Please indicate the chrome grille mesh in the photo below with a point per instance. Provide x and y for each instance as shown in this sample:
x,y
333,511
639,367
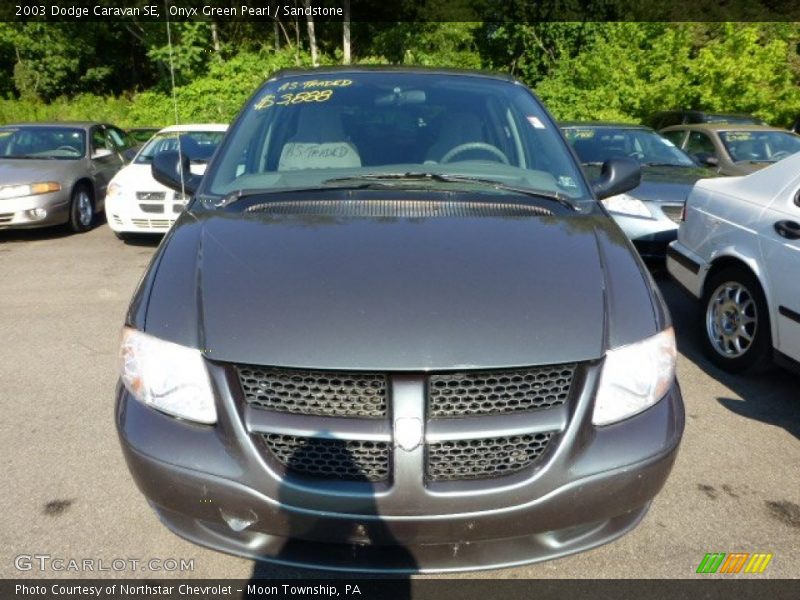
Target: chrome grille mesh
x,y
322,393
475,393
353,460
484,458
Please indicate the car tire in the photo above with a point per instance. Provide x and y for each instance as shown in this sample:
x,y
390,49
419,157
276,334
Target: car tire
x,y
735,322
81,209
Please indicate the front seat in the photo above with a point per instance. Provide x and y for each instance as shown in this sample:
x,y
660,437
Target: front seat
x,y
319,143
457,129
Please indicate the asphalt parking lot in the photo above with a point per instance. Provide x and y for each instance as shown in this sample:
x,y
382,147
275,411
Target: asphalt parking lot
x,y
67,492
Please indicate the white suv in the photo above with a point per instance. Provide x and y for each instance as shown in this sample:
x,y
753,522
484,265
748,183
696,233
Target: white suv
x,y
738,249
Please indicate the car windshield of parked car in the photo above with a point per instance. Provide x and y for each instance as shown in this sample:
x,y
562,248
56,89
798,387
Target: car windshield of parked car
x,y
760,146
197,145
63,143
307,131
595,145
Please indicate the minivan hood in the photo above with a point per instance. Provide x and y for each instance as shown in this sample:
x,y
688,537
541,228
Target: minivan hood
x,y
397,293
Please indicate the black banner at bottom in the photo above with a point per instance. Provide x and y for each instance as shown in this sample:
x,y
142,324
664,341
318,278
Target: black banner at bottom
x,y
366,588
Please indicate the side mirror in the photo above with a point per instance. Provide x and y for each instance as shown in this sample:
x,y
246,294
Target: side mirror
x,y
129,154
706,158
168,169
617,176
101,153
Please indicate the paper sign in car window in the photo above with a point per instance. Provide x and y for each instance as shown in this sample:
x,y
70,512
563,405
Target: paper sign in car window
x,y
738,136
535,122
583,134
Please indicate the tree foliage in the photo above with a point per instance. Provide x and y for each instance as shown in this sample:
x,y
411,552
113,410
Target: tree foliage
x,y
582,70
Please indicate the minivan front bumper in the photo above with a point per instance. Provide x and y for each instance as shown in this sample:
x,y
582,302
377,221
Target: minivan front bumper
x,y
208,485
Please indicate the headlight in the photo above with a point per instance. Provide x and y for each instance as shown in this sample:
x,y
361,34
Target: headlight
x,y
635,377
113,190
28,189
627,205
169,377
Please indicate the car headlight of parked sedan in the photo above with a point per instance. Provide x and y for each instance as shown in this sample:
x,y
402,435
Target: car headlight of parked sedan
x,y
113,191
626,204
29,189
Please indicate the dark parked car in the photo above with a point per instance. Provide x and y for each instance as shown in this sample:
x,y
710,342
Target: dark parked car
x,y
734,149
681,117
649,214
394,330
56,173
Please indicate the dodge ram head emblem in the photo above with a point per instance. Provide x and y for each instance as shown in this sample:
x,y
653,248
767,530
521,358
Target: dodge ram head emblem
x,y
407,433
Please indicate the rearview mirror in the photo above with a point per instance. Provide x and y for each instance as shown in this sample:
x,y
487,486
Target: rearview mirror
x,y
172,170
617,176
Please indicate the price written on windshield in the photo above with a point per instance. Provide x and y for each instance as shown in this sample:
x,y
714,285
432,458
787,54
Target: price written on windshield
x,y
292,98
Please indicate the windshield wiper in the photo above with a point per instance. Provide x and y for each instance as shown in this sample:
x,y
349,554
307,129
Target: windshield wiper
x,y
384,178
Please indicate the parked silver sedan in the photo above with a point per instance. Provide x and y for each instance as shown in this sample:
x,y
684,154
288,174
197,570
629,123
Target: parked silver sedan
x,y
57,173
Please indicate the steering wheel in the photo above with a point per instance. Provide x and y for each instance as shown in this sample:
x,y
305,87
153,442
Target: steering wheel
x,y
68,148
461,148
781,154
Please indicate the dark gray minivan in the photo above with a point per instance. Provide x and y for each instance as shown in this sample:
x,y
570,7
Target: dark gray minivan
x,y
396,331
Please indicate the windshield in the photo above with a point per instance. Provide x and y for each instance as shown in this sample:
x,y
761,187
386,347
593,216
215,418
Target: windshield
x,y
767,146
65,143
308,131
598,144
197,145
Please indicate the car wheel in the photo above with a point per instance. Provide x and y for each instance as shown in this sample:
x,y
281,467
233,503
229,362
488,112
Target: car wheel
x,y
81,209
736,326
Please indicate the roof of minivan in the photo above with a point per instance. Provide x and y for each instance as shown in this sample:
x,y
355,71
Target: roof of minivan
x,y
340,69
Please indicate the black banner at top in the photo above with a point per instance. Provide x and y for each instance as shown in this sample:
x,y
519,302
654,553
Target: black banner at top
x,y
400,10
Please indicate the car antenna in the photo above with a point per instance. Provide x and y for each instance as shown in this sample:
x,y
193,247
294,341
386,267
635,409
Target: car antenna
x,y
174,97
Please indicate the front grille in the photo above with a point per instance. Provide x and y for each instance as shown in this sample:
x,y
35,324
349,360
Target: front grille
x,y
152,223
321,393
411,209
673,212
152,208
476,393
151,196
6,217
484,458
331,459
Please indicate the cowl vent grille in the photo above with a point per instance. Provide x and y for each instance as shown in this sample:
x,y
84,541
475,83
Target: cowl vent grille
x,y
409,209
